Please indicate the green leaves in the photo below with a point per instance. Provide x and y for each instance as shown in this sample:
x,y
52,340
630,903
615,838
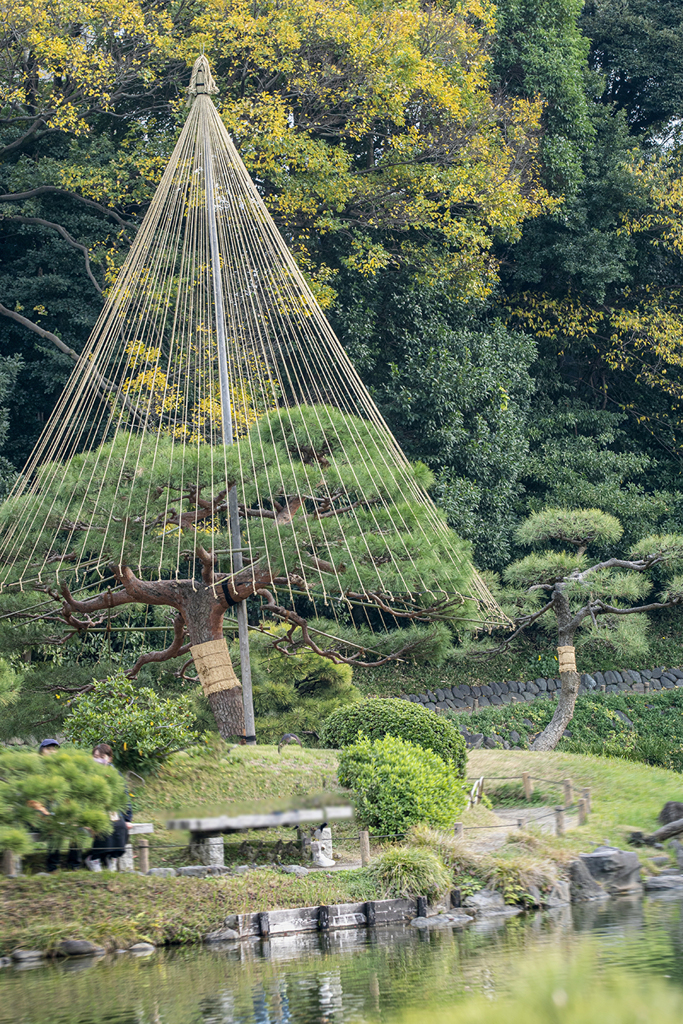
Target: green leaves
x,y
398,784
546,568
141,727
377,718
76,791
666,548
571,526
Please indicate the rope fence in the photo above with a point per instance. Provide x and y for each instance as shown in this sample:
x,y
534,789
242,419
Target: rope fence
x,y
582,806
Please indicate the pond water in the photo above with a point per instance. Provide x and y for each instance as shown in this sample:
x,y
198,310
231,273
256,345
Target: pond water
x,y
346,977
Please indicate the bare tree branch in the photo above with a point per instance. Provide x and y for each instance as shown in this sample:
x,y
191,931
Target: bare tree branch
x,y
602,608
15,197
65,235
19,142
174,650
295,620
105,386
40,331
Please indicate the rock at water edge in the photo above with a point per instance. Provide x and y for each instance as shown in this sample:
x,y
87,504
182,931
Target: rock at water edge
x,y
582,885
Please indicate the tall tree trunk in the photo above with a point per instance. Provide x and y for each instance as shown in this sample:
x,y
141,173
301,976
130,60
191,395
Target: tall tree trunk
x,y
202,607
570,679
203,616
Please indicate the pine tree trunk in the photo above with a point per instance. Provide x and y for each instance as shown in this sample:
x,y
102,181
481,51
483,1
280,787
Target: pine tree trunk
x,y
228,711
564,712
203,615
552,734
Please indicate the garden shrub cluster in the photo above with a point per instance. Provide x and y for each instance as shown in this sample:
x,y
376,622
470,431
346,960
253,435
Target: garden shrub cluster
x,y
377,718
408,871
141,727
639,727
78,792
398,784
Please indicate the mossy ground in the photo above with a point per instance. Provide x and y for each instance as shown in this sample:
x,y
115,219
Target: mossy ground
x,y
115,910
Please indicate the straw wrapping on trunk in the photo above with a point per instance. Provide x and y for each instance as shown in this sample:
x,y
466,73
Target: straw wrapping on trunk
x,y
214,667
567,659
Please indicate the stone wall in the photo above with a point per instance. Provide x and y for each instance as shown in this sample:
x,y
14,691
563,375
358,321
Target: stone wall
x,y
462,698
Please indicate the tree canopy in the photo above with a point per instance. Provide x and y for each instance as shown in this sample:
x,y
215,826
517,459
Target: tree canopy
x,y
486,199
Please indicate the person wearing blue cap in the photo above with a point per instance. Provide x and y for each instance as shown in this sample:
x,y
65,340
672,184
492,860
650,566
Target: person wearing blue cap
x,y
49,746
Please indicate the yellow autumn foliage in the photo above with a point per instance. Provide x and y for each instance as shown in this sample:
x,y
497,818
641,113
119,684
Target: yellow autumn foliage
x,y
371,124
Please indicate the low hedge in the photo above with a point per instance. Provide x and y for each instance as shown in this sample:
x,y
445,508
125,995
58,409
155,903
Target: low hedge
x,y
377,718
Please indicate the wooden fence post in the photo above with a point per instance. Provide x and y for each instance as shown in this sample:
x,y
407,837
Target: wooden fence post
x,y
521,823
370,913
568,793
11,863
143,856
364,848
323,918
559,821
264,924
586,794
459,830
582,811
528,785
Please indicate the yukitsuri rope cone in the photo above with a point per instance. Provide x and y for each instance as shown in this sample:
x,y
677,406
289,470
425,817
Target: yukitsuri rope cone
x,y
215,443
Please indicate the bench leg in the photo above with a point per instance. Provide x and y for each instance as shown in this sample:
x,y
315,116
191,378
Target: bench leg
x,y
126,862
208,850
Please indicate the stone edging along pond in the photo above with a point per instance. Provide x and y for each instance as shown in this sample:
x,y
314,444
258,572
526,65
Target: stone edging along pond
x,y
462,698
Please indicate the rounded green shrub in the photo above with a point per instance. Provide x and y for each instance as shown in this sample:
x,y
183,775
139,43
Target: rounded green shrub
x,y
377,718
398,784
141,727
410,871
76,791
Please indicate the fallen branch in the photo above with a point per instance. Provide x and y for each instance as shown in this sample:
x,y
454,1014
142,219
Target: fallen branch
x,y
674,828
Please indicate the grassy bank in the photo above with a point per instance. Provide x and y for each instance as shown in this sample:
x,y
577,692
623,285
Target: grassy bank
x,y
643,727
210,779
626,796
116,910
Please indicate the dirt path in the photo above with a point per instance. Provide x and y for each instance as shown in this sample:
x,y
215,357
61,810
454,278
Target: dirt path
x,y
488,839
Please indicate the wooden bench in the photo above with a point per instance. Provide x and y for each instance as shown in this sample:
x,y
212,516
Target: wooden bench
x,y
206,833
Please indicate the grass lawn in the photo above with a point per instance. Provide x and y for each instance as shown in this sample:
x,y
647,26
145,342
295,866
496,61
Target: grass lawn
x,y
115,910
219,779
625,795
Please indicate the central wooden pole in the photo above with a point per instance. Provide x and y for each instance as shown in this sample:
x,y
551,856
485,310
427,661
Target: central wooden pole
x,y
228,439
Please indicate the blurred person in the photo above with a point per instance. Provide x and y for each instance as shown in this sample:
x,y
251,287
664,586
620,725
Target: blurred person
x,y
106,849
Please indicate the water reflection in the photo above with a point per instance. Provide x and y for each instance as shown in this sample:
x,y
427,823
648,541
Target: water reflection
x,y
340,977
